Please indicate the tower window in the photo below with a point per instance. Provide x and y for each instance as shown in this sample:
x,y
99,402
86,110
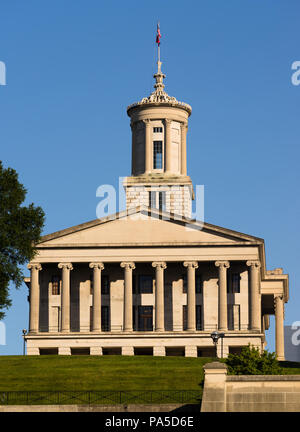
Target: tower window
x,y
157,129
157,154
162,200
152,199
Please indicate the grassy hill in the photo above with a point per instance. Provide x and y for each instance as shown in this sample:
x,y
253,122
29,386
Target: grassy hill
x,y
61,373
46,373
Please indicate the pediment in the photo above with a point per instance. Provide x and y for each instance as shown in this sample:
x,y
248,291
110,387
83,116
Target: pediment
x,y
144,227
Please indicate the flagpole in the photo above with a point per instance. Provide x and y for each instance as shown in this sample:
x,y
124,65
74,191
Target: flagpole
x,y
158,46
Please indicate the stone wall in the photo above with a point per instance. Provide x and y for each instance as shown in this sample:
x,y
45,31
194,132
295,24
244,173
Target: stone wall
x,y
101,408
249,393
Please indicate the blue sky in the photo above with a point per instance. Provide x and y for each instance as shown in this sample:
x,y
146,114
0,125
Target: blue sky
x,y
74,66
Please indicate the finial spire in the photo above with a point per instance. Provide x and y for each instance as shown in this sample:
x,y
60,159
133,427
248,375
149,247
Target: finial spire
x,y
159,76
159,96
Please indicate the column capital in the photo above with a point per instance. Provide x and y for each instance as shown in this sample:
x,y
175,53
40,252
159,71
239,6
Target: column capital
x,y
146,122
65,265
128,265
184,125
34,266
224,264
253,263
277,298
160,264
193,264
168,121
97,265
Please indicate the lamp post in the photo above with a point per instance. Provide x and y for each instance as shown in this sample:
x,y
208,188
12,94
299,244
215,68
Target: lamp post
x,y
215,337
24,331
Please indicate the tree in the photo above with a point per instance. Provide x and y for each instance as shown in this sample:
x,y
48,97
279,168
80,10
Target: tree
x,y
251,362
20,230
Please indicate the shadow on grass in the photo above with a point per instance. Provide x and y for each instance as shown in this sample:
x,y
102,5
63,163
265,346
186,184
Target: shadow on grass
x,y
188,408
290,364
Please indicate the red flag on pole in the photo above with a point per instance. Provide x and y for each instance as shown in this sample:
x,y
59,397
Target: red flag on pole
x,y
158,35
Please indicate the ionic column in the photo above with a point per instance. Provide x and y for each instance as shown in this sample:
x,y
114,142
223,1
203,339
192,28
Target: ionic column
x,y
148,152
133,149
223,266
183,129
168,145
65,296
159,295
279,327
191,294
255,299
34,297
128,267
97,268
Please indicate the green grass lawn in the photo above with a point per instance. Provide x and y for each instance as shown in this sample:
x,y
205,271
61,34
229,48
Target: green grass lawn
x,y
100,373
290,368
46,373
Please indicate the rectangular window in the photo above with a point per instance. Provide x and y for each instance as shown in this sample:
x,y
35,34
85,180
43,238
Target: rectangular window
x,y
184,317
162,201
157,129
133,284
199,317
233,283
145,284
55,285
152,199
157,155
184,284
91,282
230,316
91,318
134,318
105,285
105,318
145,318
198,284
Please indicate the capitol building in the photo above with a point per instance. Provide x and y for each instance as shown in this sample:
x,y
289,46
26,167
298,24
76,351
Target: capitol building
x,y
150,280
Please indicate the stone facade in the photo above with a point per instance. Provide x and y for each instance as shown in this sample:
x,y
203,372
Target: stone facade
x,y
249,393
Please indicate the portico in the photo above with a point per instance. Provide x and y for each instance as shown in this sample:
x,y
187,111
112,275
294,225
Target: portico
x,y
181,291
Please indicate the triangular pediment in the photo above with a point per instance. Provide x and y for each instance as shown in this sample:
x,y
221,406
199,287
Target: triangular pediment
x,y
144,226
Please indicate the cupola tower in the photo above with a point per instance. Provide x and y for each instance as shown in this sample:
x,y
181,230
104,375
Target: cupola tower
x,y
159,126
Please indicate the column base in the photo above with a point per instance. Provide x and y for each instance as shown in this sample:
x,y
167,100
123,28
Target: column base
x,y
280,358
